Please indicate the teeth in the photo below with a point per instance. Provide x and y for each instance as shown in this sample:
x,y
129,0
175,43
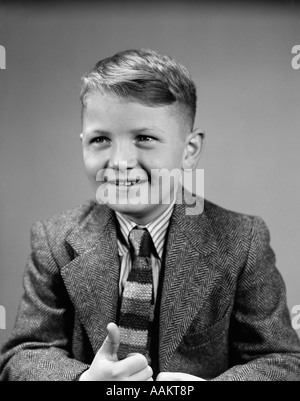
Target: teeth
x,y
123,183
127,183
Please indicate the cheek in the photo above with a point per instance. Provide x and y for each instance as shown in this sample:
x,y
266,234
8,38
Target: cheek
x,y
92,164
176,155
167,160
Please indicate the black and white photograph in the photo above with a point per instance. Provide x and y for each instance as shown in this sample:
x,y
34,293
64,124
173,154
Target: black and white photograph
x,y
149,192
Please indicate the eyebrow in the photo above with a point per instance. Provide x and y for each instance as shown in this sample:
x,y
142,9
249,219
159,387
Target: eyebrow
x,y
135,131
146,129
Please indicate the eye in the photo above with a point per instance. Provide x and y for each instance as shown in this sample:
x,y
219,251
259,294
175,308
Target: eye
x,y
145,138
100,140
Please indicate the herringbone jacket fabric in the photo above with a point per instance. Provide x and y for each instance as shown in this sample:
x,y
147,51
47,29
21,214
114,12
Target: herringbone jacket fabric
x,y
223,313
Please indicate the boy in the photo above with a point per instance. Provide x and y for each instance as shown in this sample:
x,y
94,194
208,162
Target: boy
x,y
133,287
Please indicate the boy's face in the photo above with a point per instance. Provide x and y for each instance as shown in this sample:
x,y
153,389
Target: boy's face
x,y
125,144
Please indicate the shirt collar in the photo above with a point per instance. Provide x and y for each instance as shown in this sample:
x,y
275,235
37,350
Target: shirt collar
x,y
157,229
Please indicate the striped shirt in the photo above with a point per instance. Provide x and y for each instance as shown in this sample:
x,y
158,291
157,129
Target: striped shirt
x,y
157,230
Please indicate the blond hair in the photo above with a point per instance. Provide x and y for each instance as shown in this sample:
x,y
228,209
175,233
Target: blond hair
x,y
144,76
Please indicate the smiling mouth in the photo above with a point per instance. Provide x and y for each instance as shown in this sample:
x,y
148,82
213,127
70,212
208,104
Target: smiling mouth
x,y
125,183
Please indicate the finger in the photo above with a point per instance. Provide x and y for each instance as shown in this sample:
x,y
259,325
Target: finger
x,y
167,376
143,375
111,343
133,364
176,377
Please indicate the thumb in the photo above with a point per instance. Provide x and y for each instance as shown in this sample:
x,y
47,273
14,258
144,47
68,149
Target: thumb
x,y
111,343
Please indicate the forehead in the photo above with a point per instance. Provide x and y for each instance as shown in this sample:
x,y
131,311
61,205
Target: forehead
x,y
110,110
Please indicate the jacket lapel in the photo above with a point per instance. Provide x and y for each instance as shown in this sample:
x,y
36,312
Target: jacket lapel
x,y
187,277
92,277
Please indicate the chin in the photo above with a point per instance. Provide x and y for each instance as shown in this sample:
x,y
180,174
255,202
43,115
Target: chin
x,y
130,210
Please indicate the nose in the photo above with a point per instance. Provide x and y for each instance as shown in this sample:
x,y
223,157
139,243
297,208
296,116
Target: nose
x,y
122,157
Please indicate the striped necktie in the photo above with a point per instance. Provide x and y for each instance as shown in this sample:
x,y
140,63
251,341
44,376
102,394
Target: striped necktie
x,y
136,307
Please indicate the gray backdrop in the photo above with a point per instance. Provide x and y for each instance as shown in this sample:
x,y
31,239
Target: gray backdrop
x,y
249,98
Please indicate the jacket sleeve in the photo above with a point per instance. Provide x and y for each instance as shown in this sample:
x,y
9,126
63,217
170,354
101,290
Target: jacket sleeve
x,y
263,344
39,348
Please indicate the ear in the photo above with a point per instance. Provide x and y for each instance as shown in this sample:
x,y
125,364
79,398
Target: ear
x,y
194,146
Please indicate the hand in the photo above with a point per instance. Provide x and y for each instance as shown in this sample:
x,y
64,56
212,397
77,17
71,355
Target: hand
x,y
177,377
107,367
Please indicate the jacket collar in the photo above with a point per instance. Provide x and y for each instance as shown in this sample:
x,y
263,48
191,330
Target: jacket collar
x,y
98,226
189,216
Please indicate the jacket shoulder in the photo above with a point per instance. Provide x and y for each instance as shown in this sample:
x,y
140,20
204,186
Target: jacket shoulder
x,y
219,214
57,227
69,218
234,227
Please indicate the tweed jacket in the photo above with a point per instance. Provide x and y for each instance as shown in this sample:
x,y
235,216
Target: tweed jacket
x,y
223,313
